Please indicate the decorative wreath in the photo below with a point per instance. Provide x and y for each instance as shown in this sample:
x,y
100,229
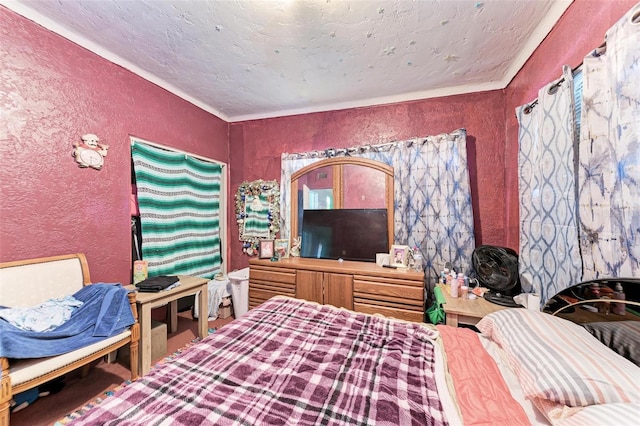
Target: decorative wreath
x,y
269,190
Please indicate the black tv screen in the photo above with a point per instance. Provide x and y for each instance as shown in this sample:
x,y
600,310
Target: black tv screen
x,y
349,234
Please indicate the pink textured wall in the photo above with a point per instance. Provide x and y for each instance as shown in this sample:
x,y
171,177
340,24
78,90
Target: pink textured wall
x,y
579,31
51,93
255,146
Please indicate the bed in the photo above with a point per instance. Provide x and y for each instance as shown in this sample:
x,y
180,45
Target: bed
x,y
291,362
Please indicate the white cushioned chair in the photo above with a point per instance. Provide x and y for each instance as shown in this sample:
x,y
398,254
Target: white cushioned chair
x,y
31,282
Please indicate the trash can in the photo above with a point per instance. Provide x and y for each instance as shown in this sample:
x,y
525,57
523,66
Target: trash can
x,y
239,291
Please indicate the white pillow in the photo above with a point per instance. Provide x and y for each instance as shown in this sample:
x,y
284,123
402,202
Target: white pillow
x,y
560,361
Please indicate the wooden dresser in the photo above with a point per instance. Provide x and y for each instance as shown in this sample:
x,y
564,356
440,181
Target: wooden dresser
x,y
359,286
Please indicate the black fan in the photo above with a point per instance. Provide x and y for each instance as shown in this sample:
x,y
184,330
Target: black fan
x,y
497,269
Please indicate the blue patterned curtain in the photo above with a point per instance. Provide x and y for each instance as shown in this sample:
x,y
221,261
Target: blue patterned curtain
x,y
432,199
555,250
179,200
609,155
549,257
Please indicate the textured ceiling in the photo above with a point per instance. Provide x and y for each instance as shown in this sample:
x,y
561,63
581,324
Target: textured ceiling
x,y
248,59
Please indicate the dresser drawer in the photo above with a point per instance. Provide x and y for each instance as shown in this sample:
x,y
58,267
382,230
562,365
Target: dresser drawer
x,y
399,313
258,296
273,275
393,292
266,282
386,280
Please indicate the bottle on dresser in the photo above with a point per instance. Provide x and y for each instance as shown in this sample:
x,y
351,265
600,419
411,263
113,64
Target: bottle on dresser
x,y
417,259
443,275
619,308
452,280
462,288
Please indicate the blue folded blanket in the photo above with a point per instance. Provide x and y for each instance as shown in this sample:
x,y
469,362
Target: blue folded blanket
x,y
104,313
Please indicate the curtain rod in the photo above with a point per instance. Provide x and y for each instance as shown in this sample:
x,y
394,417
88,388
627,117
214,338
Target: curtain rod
x,y
168,148
335,152
598,51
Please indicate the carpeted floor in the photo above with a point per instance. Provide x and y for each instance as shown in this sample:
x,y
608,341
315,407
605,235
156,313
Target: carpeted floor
x,y
79,412
103,378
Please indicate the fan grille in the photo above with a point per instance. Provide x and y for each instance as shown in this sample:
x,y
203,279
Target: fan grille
x,y
496,268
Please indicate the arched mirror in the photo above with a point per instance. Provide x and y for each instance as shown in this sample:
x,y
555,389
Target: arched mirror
x,y
342,183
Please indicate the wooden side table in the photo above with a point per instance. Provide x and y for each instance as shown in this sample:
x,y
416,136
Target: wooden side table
x,y
465,311
147,301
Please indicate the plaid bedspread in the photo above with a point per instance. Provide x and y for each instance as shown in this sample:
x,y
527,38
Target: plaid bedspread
x,y
289,362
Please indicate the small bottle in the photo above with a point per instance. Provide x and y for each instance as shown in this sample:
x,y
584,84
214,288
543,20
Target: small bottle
x,y
453,282
417,259
594,291
469,282
619,308
463,289
445,273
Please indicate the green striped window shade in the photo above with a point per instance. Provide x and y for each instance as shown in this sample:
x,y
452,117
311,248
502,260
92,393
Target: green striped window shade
x,y
179,202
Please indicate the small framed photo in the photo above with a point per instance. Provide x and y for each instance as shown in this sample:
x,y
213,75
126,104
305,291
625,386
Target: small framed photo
x,y
266,249
281,248
399,256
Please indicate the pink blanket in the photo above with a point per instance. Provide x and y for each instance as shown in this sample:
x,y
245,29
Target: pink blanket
x,y
482,394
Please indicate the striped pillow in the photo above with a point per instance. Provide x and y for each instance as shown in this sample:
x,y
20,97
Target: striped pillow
x,y
560,361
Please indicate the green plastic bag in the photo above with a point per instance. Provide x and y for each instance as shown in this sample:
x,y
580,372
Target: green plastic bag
x,y
435,312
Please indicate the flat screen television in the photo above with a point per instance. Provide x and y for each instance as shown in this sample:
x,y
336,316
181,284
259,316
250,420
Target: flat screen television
x,y
349,234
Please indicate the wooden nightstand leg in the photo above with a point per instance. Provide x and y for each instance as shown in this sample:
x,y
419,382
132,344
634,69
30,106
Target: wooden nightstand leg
x,y
452,320
172,316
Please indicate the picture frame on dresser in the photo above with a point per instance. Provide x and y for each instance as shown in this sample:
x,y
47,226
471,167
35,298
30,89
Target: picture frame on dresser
x,y
399,256
281,248
266,249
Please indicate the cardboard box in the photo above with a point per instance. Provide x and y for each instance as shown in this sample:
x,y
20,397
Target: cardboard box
x,y
158,344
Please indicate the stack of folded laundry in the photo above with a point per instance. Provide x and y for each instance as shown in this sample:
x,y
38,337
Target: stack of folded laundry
x,y
160,283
